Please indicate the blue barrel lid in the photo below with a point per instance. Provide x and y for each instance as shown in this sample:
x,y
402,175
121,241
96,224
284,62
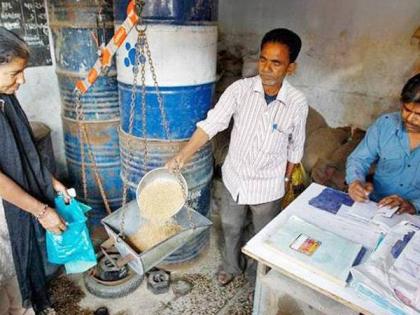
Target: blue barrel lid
x,y
172,11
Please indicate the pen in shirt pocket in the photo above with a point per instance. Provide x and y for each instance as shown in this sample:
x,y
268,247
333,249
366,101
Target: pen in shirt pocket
x,y
276,127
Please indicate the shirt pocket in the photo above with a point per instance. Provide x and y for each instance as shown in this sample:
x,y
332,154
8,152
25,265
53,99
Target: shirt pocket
x,y
275,150
278,140
390,166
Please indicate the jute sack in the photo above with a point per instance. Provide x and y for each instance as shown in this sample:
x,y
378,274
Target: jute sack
x,y
322,143
332,171
314,121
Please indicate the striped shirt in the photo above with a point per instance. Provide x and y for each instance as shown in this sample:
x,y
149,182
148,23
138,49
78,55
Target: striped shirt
x,y
263,138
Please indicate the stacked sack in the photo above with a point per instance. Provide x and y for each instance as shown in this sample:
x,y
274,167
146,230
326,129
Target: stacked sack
x,y
327,149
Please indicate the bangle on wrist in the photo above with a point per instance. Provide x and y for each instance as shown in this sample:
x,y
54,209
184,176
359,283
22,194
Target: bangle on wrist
x,y
42,213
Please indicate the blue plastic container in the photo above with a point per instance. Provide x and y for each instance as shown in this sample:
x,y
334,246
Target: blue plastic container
x,y
182,36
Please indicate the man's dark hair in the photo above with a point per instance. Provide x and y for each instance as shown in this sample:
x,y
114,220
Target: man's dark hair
x,y
12,46
285,37
411,90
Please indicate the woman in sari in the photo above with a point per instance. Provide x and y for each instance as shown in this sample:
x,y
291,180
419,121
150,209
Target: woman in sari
x,y
27,191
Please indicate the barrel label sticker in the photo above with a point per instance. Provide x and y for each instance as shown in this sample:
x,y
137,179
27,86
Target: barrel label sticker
x,y
130,60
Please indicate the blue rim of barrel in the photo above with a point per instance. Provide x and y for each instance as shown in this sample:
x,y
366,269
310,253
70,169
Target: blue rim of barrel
x,y
99,103
76,52
105,145
184,107
103,138
172,11
112,186
198,171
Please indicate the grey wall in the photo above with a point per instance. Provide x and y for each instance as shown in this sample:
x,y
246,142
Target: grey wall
x,y
355,58
356,55
40,99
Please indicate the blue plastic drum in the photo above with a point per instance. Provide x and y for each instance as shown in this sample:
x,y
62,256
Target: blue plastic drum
x,y
76,31
182,36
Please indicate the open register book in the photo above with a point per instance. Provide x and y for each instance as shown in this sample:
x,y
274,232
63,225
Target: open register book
x,y
390,276
370,213
323,252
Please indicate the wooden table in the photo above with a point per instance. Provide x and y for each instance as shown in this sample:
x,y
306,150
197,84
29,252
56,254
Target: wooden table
x,y
280,280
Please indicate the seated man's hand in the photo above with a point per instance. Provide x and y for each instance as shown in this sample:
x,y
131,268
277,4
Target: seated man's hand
x,y
359,191
394,201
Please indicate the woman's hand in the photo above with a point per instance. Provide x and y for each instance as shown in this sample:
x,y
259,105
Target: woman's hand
x,y
60,188
52,222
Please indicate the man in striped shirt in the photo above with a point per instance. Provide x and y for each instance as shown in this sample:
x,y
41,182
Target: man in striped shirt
x,y
267,140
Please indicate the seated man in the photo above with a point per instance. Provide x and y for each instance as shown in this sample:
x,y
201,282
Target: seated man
x,y
393,142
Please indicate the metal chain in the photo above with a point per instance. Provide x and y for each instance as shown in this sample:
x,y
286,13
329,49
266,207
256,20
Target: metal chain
x,y
139,57
95,170
79,118
185,194
142,34
158,94
165,124
84,140
142,50
164,120
131,119
83,134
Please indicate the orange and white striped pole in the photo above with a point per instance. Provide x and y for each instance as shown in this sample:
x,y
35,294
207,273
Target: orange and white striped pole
x,y
107,52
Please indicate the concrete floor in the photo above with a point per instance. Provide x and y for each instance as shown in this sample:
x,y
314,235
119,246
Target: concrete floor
x,y
206,296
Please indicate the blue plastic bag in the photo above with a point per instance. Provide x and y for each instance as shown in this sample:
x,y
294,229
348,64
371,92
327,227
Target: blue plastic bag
x,y
73,247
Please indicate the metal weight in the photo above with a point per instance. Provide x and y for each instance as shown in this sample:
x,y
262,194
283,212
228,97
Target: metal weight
x,y
158,282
